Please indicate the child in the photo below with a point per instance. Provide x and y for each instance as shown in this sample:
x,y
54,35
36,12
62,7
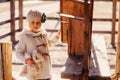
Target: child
x,y
35,38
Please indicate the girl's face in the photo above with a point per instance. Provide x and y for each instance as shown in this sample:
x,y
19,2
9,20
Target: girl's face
x,y
35,24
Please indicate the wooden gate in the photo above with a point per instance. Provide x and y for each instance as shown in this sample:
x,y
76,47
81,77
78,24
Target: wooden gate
x,y
76,25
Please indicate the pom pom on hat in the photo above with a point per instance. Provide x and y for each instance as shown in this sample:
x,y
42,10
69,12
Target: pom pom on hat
x,y
33,14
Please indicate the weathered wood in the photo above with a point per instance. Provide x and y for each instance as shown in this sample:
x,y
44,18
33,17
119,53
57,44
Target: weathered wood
x,y
79,30
70,7
63,19
99,66
12,14
99,60
20,15
87,33
117,66
6,61
75,43
1,71
113,22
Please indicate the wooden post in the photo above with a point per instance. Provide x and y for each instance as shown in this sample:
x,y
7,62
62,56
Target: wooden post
x,y
78,38
20,15
113,22
12,14
87,45
5,61
117,67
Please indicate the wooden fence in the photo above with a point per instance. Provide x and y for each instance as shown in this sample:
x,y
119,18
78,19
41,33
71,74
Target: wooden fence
x,y
21,17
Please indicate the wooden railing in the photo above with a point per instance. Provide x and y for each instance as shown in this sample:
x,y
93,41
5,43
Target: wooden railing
x,y
20,18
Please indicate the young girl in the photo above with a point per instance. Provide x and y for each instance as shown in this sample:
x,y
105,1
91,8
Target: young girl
x,y
33,39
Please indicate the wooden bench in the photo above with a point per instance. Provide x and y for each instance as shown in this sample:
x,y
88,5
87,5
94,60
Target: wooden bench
x,y
99,66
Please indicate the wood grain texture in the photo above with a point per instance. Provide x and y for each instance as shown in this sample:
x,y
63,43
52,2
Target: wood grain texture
x,y
6,58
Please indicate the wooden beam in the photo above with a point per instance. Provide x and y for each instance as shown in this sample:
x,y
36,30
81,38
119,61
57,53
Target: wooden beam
x,y
87,38
12,15
113,22
1,70
117,66
6,60
20,15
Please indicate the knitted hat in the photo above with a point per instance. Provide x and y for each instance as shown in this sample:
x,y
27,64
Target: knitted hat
x,y
33,14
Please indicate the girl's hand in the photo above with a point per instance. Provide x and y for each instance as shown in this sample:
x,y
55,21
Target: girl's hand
x,y
58,33
30,61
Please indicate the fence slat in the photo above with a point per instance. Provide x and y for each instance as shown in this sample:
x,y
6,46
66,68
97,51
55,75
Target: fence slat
x,y
6,60
20,15
1,71
12,9
113,22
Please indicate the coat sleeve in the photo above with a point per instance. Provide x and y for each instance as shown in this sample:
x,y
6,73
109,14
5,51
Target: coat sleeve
x,y
21,48
53,40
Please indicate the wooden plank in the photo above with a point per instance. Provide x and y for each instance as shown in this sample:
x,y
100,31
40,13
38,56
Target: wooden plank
x,y
74,8
99,60
88,30
117,66
6,56
64,26
1,71
69,7
99,66
76,44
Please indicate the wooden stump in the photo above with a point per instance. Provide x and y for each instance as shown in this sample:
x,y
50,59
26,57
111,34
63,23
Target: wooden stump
x,y
5,61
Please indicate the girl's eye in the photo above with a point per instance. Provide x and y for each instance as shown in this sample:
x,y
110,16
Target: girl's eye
x,y
37,23
32,22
